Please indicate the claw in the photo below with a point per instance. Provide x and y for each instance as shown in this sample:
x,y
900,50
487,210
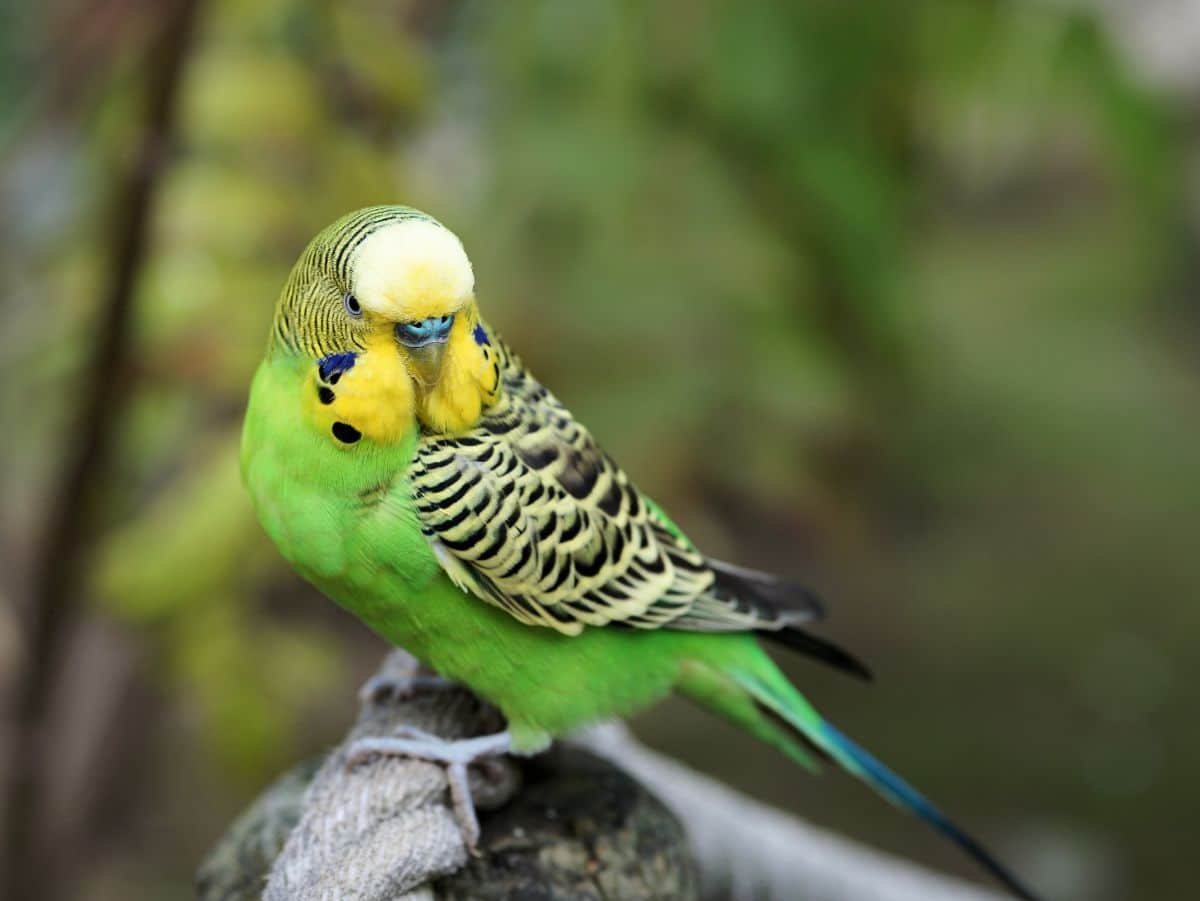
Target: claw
x,y
455,755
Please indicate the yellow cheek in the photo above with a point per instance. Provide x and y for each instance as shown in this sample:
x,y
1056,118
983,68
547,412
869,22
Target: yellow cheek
x,y
450,413
375,397
456,403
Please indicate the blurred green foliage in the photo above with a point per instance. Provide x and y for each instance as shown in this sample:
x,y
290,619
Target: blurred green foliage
x,y
892,294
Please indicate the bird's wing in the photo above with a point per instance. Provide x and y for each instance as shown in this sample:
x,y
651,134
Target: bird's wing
x,y
527,512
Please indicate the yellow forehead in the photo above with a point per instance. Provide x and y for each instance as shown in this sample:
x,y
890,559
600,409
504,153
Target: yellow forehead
x,y
412,270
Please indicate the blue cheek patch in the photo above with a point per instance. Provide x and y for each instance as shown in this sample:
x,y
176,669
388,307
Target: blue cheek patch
x,y
332,366
480,335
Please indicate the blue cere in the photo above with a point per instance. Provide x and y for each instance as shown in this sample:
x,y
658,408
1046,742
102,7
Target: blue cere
x,y
332,366
480,335
434,330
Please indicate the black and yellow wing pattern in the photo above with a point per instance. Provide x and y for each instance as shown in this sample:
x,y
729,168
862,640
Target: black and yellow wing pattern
x,y
528,513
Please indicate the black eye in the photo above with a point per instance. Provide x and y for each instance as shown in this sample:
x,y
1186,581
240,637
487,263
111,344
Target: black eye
x,y
350,302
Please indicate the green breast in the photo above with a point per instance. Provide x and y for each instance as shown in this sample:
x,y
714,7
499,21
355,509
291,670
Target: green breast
x,y
341,514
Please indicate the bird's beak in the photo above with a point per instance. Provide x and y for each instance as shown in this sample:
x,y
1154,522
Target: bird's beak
x,y
427,360
426,340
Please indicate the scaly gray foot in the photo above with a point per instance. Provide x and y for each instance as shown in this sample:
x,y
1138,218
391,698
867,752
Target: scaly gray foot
x,y
455,754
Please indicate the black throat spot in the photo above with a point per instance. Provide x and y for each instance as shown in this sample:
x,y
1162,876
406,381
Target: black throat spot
x,y
345,433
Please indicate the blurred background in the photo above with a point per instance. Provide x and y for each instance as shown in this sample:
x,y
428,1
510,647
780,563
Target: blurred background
x,y
900,299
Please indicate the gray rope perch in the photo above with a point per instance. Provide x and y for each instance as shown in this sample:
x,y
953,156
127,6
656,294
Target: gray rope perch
x,y
598,817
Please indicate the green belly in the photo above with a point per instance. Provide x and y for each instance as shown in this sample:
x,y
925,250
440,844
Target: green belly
x,y
545,683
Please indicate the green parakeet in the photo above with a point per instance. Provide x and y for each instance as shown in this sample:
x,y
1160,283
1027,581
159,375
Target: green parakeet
x,y
408,465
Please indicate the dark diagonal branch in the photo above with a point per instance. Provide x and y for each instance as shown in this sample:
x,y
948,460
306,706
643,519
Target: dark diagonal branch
x,y
56,578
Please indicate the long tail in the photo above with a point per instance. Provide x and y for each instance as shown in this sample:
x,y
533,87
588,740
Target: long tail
x,y
782,700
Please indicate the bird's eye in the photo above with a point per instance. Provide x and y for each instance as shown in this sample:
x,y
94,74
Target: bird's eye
x,y
350,302
434,330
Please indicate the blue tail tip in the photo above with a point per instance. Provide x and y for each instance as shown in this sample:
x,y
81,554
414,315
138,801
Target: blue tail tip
x,y
897,790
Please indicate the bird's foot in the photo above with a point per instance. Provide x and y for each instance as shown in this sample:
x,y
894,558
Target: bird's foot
x,y
455,754
400,686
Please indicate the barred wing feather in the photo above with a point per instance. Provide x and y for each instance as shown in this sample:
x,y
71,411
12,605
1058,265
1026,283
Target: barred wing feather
x,y
528,513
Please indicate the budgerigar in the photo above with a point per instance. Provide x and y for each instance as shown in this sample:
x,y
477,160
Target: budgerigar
x,y
408,465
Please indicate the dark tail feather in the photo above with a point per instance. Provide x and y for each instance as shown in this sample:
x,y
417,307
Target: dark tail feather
x,y
866,767
768,595
818,648
777,607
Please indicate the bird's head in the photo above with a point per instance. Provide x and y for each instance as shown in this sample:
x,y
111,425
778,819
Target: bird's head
x,y
395,288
